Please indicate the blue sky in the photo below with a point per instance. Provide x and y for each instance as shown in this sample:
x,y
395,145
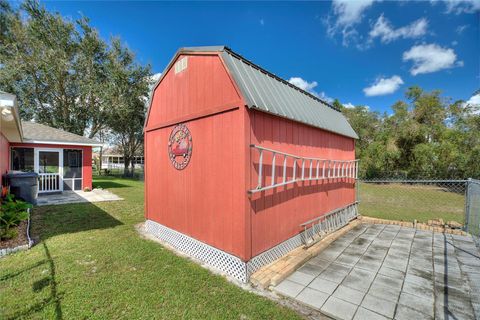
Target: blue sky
x,y
363,52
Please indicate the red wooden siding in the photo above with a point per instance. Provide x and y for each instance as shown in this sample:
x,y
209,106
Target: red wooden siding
x,y
87,158
202,87
278,213
87,167
206,200
4,155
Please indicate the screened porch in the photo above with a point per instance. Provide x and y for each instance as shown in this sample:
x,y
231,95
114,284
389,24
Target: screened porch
x,y
59,169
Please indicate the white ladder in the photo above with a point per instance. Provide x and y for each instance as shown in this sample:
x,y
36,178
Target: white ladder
x,y
310,169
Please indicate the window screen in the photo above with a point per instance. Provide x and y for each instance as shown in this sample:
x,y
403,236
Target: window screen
x,y
72,163
22,159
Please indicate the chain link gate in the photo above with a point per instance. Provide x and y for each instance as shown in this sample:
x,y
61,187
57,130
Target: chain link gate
x,y
472,209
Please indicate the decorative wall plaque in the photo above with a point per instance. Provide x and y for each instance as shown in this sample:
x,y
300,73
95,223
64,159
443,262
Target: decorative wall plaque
x,y
180,146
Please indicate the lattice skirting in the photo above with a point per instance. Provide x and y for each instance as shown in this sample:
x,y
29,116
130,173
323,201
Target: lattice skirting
x,y
214,257
223,261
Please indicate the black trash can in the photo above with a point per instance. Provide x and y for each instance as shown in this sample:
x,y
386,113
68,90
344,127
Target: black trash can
x,y
24,185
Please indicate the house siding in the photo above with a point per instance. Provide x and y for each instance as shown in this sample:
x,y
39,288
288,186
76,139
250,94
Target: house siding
x,y
4,155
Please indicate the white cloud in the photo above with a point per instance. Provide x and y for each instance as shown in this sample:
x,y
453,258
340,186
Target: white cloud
x,y
322,95
429,58
153,79
350,12
384,30
473,104
383,86
309,87
462,6
303,84
346,14
262,22
474,100
155,76
461,28
349,105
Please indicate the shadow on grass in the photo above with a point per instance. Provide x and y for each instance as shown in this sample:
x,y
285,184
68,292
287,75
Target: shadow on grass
x,y
54,297
13,275
50,221
108,184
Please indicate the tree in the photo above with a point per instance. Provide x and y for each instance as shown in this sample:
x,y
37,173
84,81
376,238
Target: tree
x,y
127,91
6,14
424,137
367,125
55,67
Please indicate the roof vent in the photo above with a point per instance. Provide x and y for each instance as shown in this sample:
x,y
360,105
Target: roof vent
x,y
181,65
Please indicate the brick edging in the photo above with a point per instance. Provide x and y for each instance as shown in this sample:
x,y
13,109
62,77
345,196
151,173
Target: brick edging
x,y
415,225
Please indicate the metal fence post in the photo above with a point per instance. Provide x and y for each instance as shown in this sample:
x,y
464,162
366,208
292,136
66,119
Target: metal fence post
x,y
357,191
467,205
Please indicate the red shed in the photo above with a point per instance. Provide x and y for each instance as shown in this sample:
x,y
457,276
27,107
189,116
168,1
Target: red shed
x,y
240,165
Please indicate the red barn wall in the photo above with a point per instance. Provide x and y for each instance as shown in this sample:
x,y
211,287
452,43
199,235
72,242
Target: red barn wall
x,y
203,88
206,200
4,155
276,214
86,153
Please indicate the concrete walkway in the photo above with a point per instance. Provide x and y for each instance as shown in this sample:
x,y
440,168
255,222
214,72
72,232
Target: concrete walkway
x,y
391,272
66,197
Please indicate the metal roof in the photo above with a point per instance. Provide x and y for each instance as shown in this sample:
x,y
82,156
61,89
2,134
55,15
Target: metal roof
x,y
269,93
39,133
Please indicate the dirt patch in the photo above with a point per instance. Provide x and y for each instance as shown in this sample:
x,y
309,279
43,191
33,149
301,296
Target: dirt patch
x,y
19,240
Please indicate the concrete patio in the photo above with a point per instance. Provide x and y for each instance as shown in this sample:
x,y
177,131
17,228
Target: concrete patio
x,y
391,272
66,197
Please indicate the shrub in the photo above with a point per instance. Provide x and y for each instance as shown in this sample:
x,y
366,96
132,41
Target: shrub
x,y
12,212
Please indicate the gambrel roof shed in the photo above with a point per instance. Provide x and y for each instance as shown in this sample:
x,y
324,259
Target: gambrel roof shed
x,y
239,163
266,92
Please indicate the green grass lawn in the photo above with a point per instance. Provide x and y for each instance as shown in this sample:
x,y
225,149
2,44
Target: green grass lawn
x,y
90,263
409,202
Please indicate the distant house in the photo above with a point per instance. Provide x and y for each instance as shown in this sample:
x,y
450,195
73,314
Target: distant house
x,y
112,160
116,161
62,159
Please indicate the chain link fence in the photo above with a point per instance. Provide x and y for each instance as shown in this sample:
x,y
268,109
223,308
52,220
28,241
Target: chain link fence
x,y
137,173
455,202
472,209
410,200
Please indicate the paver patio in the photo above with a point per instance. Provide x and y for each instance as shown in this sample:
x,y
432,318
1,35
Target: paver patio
x,y
391,272
96,195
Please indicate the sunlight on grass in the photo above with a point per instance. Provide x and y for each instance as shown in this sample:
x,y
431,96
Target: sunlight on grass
x,y
91,263
409,202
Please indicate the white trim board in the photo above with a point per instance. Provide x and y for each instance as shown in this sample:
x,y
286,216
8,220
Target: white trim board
x,y
64,143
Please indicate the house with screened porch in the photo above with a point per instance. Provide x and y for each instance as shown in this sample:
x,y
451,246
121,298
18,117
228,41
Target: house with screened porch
x,y
63,160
